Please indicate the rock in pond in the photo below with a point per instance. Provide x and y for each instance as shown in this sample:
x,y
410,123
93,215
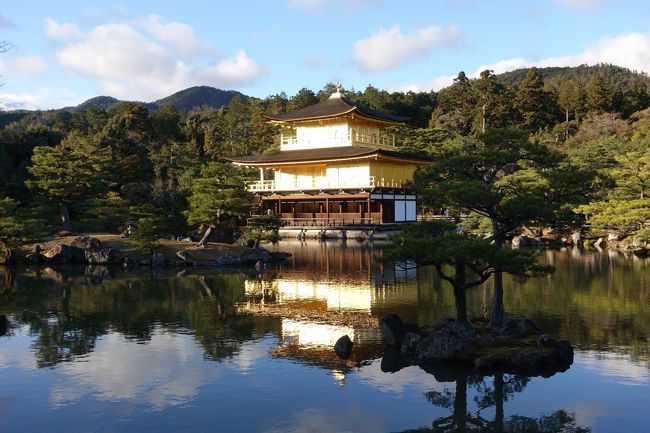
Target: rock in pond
x,y
343,347
393,329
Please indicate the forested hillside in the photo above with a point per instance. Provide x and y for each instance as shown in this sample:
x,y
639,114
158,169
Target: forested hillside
x,y
107,162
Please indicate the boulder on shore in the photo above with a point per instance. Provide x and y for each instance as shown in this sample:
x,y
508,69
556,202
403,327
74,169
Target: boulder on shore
x,y
526,241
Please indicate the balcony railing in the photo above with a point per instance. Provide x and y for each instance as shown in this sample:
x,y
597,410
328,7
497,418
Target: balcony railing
x,y
323,184
352,137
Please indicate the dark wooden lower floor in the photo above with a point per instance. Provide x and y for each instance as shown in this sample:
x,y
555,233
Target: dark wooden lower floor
x,y
340,209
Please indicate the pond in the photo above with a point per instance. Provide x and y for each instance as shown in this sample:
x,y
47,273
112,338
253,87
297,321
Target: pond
x,y
187,350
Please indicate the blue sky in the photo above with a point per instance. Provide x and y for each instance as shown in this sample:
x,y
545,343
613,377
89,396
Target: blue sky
x,y
67,51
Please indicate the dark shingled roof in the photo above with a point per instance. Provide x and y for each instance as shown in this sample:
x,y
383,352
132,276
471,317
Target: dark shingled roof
x,y
332,107
305,155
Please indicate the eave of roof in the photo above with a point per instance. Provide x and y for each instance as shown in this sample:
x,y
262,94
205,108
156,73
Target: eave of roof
x,y
325,155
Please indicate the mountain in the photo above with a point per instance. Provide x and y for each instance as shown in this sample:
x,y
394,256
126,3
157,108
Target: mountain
x,y
184,101
197,96
617,78
97,102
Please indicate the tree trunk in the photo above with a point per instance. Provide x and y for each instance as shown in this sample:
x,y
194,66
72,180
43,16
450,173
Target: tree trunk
x,y
499,398
460,296
66,224
206,235
497,306
460,404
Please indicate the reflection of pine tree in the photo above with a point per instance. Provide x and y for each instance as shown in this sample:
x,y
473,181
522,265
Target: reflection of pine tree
x,y
503,388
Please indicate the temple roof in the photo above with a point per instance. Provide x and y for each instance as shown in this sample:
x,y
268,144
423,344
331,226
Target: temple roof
x,y
336,105
325,154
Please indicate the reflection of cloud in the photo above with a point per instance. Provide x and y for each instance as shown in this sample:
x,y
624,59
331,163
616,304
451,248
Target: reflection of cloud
x,y
588,414
249,353
412,378
13,351
167,371
616,368
320,421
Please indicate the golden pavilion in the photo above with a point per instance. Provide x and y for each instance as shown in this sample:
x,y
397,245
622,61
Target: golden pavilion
x,y
337,167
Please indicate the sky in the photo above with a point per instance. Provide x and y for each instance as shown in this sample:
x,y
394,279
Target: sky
x,y
66,51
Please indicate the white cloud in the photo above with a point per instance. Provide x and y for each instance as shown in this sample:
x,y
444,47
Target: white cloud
x,y
390,48
631,50
501,66
42,99
307,5
344,6
435,84
239,68
54,30
151,58
580,5
179,35
30,65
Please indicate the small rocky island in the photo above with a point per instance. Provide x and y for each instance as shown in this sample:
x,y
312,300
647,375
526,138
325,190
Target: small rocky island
x,y
519,346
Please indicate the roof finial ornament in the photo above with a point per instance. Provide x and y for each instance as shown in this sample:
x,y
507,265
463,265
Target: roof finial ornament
x,y
339,91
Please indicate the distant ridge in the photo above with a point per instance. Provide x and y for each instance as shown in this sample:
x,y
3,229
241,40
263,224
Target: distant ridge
x,y
184,100
97,102
617,77
198,96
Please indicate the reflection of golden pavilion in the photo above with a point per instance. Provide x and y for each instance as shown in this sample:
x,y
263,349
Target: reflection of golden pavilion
x,y
327,290
313,334
336,296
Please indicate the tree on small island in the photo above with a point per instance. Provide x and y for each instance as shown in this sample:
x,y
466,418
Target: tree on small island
x,y
505,178
263,228
461,259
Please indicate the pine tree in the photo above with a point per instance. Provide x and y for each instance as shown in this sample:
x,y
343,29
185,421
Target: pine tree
x,y
66,174
218,194
537,107
599,95
508,180
147,235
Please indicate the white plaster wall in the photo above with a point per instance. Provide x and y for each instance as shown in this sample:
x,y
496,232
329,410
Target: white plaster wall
x,y
314,137
348,175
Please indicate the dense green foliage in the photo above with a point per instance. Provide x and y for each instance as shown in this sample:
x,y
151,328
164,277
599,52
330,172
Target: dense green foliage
x,y
107,162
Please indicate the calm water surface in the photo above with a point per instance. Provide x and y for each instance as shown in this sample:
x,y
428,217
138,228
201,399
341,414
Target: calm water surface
x,y
100,350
